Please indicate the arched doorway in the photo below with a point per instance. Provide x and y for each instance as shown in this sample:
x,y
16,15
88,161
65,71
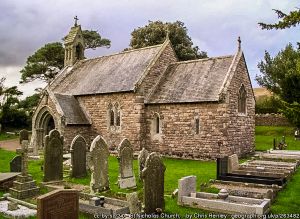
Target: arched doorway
x,y
43,125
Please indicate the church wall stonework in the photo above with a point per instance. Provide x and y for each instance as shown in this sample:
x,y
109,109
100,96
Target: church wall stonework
x,y
131,110
178,130
241,127
166,57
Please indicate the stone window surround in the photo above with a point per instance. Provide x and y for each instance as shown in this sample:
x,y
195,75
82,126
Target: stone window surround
x,y
197,125
156,118
241,113
114,108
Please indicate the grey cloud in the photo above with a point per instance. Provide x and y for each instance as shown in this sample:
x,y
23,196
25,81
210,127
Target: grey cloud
x,y
214,26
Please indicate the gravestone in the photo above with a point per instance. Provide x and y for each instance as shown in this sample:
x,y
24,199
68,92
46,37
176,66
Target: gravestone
x,y
142,160
78,157
53,161
23,135
126,174
16,164
153,177
233,163
98,163
24,186
58,204
133,203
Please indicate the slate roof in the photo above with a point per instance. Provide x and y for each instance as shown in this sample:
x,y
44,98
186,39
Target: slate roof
x,y
71,110
192,81
108,74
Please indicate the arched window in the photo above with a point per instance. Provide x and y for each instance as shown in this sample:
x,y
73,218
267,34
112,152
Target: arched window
x,y
242,100
118,114
156,124
112,117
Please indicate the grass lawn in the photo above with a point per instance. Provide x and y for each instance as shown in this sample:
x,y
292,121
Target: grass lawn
x,y
287,201
264,136
5,136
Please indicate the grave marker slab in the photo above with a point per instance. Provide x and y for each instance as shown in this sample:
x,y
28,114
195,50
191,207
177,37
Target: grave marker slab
x,y
153,176
98,162
142,160
78,157
58,204
23,135
126,174
53,164
16,164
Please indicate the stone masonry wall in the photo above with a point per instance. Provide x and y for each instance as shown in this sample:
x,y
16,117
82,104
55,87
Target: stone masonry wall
x,y
178,130
241,128
166,57
131,109
271,120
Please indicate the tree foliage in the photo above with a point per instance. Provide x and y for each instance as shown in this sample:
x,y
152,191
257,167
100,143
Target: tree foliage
x,y
155,32
267,105
44,64
93,40
281,75
47,61
10,113
287,20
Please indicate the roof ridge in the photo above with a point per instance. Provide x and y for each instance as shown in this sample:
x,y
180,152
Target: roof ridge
x,y
205,59
123,52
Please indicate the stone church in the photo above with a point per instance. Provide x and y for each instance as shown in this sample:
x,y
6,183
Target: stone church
x,y
194,109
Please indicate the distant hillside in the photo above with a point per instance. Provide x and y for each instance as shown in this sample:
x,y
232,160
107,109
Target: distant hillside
x,y
261,93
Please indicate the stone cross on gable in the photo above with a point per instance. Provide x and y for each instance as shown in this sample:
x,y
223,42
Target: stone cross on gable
x,y
23,151
76,19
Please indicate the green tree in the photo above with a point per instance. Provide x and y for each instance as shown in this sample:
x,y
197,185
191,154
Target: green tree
x,y
287,20
155,32
281,75
47,61
10,113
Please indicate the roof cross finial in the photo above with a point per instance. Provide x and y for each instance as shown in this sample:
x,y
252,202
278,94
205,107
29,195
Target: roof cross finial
x,y
239,43
76,19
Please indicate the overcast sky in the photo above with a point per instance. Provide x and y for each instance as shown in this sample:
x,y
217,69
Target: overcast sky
x,y
213,25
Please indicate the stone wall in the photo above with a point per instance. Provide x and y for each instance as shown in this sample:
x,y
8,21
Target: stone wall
x,y
178,135
271,120
241,127
131,111
158,67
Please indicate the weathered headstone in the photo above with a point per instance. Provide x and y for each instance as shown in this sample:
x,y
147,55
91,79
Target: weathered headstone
x,y
16,164
186,186
78,156
233,163
24,186
53,162
153,177
98,163
134,203
142,160
23,135
58,204
126,174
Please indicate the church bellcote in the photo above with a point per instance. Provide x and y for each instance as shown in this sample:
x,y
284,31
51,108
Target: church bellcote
x,y
74,45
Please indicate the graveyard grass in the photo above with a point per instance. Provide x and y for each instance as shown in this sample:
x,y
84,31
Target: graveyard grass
x,y
287,201
5,136
264,136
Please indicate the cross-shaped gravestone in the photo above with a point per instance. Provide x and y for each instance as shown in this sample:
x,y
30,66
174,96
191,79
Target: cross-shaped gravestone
x,y
24,154
23,135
